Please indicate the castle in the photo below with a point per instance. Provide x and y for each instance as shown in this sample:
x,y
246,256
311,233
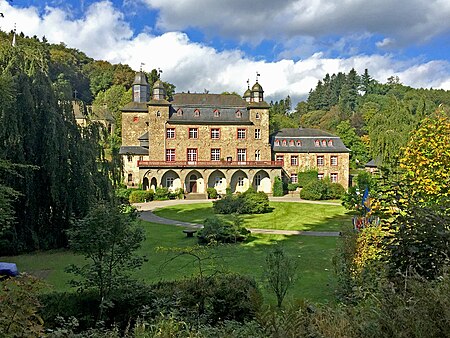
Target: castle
x,y
197,141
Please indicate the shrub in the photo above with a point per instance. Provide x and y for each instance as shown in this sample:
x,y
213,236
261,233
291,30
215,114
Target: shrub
x,y
177,194
140,196
123,194
217,230
292,186
306,177
335,191
212,193
249,202
315,190
161,194
278,187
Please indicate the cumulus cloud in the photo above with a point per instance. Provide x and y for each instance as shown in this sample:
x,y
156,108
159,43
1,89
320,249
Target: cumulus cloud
x,y
103,33
408,21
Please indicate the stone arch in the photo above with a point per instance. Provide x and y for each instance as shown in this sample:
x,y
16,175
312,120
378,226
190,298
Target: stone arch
x,y
145,183
262,182
194,182
171,180
153,184
239,182
218,181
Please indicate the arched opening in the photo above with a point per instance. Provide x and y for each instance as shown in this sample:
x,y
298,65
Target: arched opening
x,y
218,181
194,182
145,184
171,180
261,182
239,182
130,179
153,184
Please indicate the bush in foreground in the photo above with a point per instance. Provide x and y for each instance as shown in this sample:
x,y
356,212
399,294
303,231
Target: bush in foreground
x,y
220,231
322,190
250,202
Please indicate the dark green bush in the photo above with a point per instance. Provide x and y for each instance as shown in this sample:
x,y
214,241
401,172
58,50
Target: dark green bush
x,y
249,202
140,196
315,190
292,186
212,193
161,194
178,194
217,230
306,177
335,191
278,187
123,194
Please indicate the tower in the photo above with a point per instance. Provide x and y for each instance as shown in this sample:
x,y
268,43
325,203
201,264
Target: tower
x,y
140,88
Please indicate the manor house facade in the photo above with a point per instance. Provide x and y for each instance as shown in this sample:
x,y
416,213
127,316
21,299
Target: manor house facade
x,y
197,141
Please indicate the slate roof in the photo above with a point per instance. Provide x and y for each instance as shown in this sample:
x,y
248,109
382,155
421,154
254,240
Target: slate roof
x,y
133,150
307,137
135,106
214,100
371,164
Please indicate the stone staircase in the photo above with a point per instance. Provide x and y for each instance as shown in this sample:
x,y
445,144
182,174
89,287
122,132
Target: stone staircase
x,y
196,196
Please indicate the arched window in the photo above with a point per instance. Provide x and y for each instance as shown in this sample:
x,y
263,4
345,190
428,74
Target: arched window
x,y
299,143
317,143
238,114
277,142
291,143
158,114
284,143
180,112
330,143
196,113
216,113
257,116
130,178
324,143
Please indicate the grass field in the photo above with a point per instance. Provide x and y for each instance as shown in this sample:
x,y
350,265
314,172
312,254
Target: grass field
x,y
313,254
284,216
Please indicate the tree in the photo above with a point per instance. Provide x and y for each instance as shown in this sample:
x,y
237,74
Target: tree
x,y
359,151
108,239
280,272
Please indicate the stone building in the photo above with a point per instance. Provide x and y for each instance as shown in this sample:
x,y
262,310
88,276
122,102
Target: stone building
x,y
197,141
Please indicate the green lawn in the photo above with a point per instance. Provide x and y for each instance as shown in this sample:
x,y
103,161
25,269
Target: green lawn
x,y
284,216
314,254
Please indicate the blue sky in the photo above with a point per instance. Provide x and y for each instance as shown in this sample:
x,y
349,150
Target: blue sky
x,y
217,45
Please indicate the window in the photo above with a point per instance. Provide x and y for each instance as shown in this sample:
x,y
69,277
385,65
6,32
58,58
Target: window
x,y
294,178
258,180
320,176
192,155
180,112
240,181
299,143
330,143
130,178
216,113
294,160
291,143
170,155
279,158
130,158
324,143
158,114
193,132
135,119
218,181
238,114
141,158
169,182
257,134
170,133
334,160
242,155
196,113
317,143
215,154
257,116
284,143
257,155
320,161
215,133
277,142
334,177
241,134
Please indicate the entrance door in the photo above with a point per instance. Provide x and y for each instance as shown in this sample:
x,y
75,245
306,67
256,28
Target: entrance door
x,y
193,183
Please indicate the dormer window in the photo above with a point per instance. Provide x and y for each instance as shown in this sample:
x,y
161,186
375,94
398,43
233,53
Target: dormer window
x,y
324,143
196,113
284,143
180,112
299,143
238,114
158,114
216,113
330,143
291,143
277,142
317,143
257,116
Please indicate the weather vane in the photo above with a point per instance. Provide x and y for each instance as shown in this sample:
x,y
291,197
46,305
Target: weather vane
x,y
257,76
140,68
159,72
248,83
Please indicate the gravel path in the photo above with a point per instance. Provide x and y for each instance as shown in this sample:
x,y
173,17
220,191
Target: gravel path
x,y
145,213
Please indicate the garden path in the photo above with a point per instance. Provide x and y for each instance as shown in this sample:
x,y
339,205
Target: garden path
x,y
145,213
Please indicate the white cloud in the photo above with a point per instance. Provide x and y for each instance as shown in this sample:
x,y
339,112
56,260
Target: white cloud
x,y
103,34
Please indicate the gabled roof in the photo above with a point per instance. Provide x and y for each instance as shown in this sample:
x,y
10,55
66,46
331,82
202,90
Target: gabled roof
x,y
133,150
143,137
307,138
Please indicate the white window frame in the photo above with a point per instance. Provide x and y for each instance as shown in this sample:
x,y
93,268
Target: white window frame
x,y
193,133
240,181
192,154
294,178
169,181
170,155
242,155
334,160
215,154
257,134
294,159
334,177
320,161
215,133
257,155
170,133
241,134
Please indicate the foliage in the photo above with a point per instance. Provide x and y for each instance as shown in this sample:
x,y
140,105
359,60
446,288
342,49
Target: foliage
x,y
352,200
177,194
108,240
278,187
216,230
123,194
212,193
141,196
19,306
359,151
161,194
280,272
322,190
426,158
292,186
249,202
307,176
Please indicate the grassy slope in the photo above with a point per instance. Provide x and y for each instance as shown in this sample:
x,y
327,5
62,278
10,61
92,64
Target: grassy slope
x,y
285,216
